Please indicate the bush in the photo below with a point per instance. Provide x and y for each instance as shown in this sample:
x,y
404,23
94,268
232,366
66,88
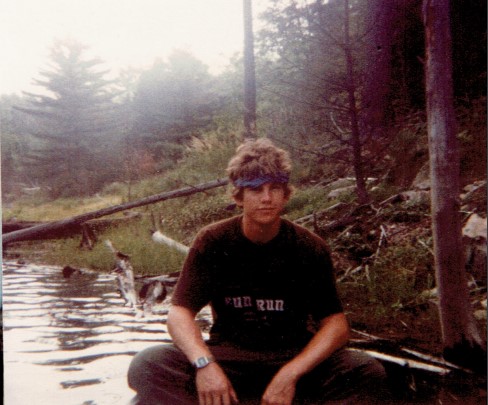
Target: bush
x,y
305,201
399,274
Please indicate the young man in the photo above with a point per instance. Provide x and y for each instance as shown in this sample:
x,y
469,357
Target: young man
x,y
279,329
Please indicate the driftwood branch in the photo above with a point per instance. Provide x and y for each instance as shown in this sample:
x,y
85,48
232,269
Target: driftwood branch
x,y
36,231
160,238
390,351
153,290
125,276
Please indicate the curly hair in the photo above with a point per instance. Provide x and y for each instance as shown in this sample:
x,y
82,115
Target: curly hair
x,y
259,161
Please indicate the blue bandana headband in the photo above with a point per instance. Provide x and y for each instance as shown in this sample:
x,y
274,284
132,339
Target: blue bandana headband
x,y
255,182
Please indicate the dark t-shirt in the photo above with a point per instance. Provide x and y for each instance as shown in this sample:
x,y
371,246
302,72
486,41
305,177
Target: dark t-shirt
x,y
263,296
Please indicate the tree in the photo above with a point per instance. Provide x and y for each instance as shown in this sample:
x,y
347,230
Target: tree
x,y
73,117
174,101
461,339
249,74
16,143
11,146
319,54
381,21
355,139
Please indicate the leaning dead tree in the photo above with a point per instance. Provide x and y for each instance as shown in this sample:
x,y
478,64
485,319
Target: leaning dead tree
x,y
46,228
461,339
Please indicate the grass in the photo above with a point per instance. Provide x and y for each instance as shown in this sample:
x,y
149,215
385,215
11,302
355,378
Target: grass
x,y
147,257
37,209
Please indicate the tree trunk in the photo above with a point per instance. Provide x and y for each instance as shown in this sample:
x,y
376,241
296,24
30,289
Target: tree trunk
x,y
249,74
381,22
53,227
353,112
461,339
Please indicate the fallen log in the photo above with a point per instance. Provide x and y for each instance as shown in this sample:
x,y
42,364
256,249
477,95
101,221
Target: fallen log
x,y
11,226
56,226
405,362
318,215
93,226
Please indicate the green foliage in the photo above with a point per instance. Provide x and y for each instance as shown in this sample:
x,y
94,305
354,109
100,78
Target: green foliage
x,y
204,159
183,217
395,287
399,275
210,152
116,188
306,201
42,208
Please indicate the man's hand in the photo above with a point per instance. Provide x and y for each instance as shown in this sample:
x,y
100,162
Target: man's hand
x,y
281,389
332,335
213,386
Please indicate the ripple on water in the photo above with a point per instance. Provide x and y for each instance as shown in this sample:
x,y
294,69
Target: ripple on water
x,y
107,329
55,326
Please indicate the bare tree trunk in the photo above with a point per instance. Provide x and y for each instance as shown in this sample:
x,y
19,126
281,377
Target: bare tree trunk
x,y
381,22
461,339
353,112
249,74
38,230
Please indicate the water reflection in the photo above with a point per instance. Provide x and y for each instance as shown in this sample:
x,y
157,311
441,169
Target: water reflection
x,y
70,341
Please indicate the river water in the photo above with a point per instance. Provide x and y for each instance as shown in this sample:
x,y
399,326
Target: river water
x,y
70,341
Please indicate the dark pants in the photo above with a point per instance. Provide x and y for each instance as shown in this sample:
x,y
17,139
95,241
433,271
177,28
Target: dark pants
x,y
162,375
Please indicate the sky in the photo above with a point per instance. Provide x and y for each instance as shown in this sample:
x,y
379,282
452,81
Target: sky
x,y
123,33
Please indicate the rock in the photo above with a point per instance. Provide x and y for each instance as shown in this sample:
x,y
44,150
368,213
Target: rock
x,y
68,271
416,197
340,191
474,239
424,185
475,227
422,179
429,294
341,183
474,186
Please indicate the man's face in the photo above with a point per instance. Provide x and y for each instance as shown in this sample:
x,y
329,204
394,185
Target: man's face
x,y
263,204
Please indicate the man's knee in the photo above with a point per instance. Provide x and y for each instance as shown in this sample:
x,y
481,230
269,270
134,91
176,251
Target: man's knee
x,y
147,365
351,375
373,369
162,375
373,382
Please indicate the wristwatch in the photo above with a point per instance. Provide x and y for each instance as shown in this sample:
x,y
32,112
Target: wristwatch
x,y
204,361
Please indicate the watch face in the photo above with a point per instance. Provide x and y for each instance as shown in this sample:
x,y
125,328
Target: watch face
x,y
201,362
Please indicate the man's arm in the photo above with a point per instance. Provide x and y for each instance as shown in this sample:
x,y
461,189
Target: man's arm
x,y
212,384
332,335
